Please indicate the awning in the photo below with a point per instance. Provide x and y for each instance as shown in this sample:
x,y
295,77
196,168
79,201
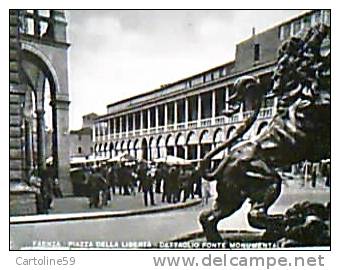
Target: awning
x,y
171,160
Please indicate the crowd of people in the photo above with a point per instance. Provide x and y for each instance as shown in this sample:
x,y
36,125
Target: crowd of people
x,y
175,183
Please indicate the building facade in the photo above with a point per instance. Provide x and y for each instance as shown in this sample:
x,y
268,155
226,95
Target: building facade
x,y
81,140
38,63
185,118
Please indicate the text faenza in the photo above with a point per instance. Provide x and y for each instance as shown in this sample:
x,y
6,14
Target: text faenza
x,y
45,261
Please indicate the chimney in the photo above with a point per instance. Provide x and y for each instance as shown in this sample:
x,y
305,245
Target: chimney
x,y
253,31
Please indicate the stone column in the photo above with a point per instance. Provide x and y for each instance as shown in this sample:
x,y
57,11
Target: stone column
x,y
149,118
165,117
94,138
185,151
28,147
227,98
108,129
141,122
198,151
186,109
175,115
199,110
114,127
213,107
120,126
127,125
61,156
41,140
134,123
156,112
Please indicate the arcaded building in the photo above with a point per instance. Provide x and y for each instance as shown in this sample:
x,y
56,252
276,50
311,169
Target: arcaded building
x,y
38,67
185,118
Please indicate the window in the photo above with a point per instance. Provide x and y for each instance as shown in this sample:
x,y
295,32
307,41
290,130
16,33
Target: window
x,y
285,32
256,52
307,22
297,27
79,137
137,120
79,150
111,126
145,119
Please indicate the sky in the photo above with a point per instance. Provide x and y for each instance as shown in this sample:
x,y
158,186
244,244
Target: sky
x,y
116,54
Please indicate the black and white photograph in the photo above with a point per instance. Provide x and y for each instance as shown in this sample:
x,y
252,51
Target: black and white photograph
x,y
169,129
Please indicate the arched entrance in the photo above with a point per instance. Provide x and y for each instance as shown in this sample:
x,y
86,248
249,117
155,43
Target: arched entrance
x,y
170,145
45,116
205,143
144,149
180,144
192,144
161,148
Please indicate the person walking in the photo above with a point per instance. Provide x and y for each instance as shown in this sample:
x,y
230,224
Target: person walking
x,y
147,184
206,192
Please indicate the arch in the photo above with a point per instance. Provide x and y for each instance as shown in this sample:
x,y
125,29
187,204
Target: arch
x,y
160,141
261,127
129,146
161,147
218,139
31,51
152,148
170,141
192,138
136,144
180,139
179,144
192,145
144,149
123,145
230,131
39,65
218,136
118,147
170,145
204,137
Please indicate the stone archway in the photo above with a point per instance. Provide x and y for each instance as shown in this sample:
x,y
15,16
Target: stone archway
x,y
180,146
192,145
40,78
205,143
144,149
170,145
161,147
